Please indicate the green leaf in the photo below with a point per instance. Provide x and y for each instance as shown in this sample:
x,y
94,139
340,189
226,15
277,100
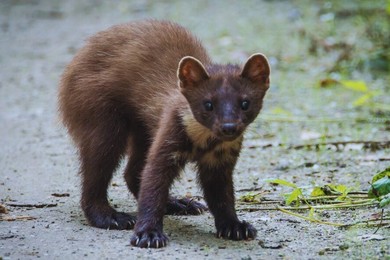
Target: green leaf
x,y
359,86
250,197
280,111
342,197
388,7
283,182
331,189
311,213
341,188
294,196
381,174
385,201
362,100
380,187
380,106
317,192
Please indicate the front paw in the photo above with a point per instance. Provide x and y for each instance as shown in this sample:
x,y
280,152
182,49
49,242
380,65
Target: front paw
x,y
108,218
236,231
151,239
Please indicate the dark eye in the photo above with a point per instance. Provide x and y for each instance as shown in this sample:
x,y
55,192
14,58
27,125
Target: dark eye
x,y
208,106
245,105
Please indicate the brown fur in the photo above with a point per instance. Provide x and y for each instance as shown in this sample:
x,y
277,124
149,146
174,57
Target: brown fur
x,y
141,89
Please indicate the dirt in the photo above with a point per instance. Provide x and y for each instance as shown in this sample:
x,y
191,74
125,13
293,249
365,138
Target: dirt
x,y
309,45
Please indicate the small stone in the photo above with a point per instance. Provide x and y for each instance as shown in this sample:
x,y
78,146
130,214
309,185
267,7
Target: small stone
x,y
343,247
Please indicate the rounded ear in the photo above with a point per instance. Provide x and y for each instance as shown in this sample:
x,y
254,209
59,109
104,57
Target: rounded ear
x,y
191,71
257,69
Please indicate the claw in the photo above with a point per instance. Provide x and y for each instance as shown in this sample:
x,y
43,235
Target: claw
x,y
148,244
157,244
199,211
137,241
228,234
238,234
246,233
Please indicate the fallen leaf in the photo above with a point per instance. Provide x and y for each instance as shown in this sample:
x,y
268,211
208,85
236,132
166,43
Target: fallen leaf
x,y
309,135
328,82
280,111
270,245
3,209
283,182
359,86
362,100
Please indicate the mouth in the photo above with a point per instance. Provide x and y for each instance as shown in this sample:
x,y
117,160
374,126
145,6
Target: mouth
x,y
228,137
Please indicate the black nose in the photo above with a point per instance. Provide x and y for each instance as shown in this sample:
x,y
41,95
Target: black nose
x,y
229,128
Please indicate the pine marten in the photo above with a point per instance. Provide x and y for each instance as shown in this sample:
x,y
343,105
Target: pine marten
x,y
149,90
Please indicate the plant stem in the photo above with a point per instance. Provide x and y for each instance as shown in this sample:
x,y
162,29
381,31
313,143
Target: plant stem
x,y
310,219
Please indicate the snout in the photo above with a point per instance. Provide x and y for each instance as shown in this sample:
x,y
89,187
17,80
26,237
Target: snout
x,y
229,131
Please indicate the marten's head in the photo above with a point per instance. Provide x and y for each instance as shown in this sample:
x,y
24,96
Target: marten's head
x,y
225,98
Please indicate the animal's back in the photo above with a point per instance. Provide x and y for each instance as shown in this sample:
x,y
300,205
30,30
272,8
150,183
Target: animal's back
x,y
127,70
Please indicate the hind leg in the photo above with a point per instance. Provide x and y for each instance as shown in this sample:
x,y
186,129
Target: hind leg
x,y
100,152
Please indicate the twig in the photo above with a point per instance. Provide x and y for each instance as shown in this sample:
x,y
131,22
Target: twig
x,y
373,145
328,199
253,190
332,198
356,204
309,219
60,194
28,205
16,218
365,224
383,210
359,223
366,144
294,119
357,193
